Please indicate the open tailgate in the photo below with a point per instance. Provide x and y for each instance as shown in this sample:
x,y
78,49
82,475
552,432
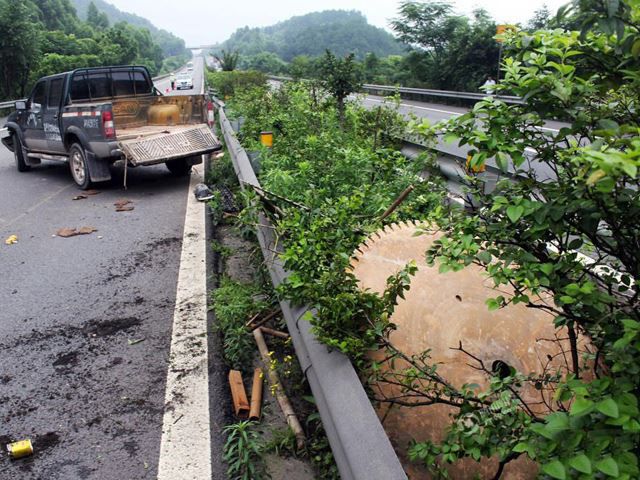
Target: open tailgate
x,y
158,144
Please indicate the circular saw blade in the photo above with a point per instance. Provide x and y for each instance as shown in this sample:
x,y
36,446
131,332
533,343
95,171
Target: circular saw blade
x,y
443,312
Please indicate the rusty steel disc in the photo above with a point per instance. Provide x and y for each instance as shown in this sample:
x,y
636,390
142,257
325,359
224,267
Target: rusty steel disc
x,y
443,311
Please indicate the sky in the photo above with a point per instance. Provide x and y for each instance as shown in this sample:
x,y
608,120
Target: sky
x,y
206,22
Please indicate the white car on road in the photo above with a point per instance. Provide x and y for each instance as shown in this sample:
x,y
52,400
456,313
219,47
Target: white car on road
x,y
184,80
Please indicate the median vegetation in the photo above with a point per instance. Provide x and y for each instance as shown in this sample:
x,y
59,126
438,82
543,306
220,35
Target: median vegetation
x,y
569,238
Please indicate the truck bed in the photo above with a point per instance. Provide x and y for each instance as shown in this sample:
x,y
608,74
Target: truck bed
x,y
156,129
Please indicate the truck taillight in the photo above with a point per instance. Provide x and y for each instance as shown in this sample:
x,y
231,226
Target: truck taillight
x,y
210,117
109,126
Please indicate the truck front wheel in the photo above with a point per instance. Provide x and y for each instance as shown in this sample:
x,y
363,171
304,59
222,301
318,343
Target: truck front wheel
x,y
18,154
179,167
78,166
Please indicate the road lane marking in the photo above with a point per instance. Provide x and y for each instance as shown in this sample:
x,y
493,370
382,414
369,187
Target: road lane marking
x,y
457,114
34,207
185,448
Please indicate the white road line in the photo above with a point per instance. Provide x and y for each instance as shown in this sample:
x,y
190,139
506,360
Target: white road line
x,y
6,223
457,114
185,449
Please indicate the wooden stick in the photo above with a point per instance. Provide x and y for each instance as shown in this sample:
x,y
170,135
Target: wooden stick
x,y
238,394
283,401
274,333
256,395
397,202
263,320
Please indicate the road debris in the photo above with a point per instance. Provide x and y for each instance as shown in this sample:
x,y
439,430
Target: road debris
x,y
11,240
91,192
202,192
135,342
256,395
82,196
20,449
277,390
123,205
238,395
72,232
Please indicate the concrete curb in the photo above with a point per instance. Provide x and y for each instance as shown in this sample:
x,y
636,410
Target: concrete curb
x,y
360,445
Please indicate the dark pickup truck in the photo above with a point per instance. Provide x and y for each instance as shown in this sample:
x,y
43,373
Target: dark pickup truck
x,y
95,117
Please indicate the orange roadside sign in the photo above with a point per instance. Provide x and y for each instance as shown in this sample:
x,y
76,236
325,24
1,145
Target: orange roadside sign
x,y
500,29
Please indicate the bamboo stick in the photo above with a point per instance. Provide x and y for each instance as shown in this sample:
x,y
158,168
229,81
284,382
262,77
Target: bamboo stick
x,y
256,395
283,401
238,394
274,333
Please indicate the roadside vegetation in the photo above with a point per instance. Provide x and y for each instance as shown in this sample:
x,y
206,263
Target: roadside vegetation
x,y
572,237
44,38
244,295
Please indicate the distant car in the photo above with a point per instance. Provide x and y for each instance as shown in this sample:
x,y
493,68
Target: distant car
x,y
184,80
190,67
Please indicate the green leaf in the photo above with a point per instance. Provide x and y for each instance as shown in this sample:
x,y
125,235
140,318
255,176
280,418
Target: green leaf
x,y
502,160
607,124
521,447
608,466
581,406
608,407
514,212
555,469
635,49
581,463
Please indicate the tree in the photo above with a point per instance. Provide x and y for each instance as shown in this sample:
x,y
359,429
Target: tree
x,y
97,19
228,60
571,237
340,78
541,19
447,51
19,47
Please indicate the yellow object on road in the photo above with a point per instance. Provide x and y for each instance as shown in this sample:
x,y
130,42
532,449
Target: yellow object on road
x,y
20,449
11,240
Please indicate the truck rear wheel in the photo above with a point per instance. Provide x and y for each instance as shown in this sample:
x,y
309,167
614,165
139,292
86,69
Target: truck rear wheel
x,y
179,167
78,166
18,154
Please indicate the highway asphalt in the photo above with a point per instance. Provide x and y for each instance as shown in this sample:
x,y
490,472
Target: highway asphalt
x,y
86,321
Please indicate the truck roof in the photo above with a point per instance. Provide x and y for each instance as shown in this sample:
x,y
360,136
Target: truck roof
x,y
100,69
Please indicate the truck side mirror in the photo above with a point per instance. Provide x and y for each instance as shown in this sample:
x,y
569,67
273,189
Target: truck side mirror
x,y
21,105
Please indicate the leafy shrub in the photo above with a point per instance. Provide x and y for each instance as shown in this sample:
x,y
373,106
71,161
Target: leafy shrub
x,y
234,304
226,84
243,452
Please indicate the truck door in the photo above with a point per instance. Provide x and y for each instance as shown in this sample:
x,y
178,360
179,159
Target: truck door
x,y
51,116
33,127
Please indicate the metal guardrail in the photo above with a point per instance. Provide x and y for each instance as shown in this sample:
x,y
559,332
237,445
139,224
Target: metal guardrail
x,y
360,445
439,93
9,103
392,89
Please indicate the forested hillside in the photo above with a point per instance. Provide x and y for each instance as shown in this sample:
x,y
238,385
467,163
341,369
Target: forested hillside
x,y
340,31
43,37
170,44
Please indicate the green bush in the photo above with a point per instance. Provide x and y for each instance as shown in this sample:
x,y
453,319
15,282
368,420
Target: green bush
x,y
234,304
225,84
